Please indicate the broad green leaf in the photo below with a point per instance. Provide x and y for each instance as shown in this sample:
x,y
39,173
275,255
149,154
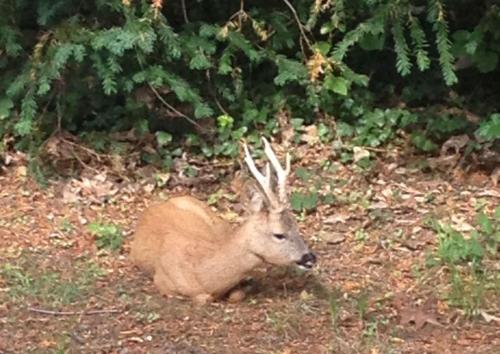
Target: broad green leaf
x,y
310,201
225,121
422,142
344,129
163,138
296,201
337,84
323,47
303,174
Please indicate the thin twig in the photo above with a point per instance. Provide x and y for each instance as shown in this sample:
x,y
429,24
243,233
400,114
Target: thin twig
x,y
169,106
72,313
301,26
214,94
184,11
84,148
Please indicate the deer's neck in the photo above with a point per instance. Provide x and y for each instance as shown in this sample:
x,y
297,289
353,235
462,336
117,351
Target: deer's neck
x,y
231,262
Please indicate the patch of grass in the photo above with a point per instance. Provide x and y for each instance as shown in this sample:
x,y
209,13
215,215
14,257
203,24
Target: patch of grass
x,y
467,256
284,323
108,236
334,307
362,304
26,282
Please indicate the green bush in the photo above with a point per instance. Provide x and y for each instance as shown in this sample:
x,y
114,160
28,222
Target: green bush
x,y
221,70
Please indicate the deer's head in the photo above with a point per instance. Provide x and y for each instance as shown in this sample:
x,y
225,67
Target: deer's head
x,y
275,235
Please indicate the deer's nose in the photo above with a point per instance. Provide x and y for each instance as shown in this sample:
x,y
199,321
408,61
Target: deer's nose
x,y
307,260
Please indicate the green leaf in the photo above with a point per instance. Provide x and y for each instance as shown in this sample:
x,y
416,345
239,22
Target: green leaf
x,y
486,61
403,64
239,41
6,105
106,235
327,27
344,129
337,84
485,223
200,62
323,47
372,41
490,128
446,58
296,199
310,201
290,71
224,121
420,44
28,110
422,142
303,174
497,213
163,138
202,110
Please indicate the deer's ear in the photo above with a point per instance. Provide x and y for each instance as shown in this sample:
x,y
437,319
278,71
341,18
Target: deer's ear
x,y
253,199
256,202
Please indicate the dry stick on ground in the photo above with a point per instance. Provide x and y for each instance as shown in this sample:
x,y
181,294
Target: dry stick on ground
x,y
71,313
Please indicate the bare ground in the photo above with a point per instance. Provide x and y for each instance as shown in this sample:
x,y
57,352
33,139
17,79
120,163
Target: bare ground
x,y
370,293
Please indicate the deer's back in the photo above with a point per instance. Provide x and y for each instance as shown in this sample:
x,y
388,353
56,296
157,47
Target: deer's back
x,y
181,228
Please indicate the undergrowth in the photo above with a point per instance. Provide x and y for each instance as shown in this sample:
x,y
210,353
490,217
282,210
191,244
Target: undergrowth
x,y
470,261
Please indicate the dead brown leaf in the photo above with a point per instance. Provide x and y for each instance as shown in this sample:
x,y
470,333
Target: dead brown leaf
x,y
418,317
310,135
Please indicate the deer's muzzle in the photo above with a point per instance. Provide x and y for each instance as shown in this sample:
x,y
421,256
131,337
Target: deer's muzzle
x,y
307,260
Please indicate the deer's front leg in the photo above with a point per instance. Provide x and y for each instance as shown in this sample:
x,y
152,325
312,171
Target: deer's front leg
x,y
236,295
202,299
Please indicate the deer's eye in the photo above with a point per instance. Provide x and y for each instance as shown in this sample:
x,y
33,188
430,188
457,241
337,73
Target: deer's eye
x,y
279,236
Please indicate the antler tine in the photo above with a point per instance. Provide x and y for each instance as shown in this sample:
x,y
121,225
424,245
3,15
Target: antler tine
x,y
264,180
282,174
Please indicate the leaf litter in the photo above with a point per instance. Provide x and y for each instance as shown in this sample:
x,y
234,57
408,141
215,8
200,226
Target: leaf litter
x,y
372,242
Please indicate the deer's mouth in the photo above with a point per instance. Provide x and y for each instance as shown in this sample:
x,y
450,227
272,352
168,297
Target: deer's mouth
x,y
307,261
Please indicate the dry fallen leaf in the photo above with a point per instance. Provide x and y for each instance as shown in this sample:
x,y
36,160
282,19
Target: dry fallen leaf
x,y
360,153
21,171
70,194
418,317
332,237
460,224
310,135
488,318
337,218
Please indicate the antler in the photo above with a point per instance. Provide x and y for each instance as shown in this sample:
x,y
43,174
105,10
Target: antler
x,y
265,179
281,173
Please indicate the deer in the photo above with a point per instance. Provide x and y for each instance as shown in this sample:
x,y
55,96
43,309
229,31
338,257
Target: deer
x,y
192,252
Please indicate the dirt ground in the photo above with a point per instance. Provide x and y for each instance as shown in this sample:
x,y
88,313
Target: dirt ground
x,y
371,291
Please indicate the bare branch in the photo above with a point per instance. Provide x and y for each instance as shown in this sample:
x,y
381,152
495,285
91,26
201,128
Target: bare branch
x,y
169,106
71,313
301,26
184,11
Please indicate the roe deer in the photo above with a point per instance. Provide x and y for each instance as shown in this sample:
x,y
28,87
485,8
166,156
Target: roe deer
x,y
191,251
